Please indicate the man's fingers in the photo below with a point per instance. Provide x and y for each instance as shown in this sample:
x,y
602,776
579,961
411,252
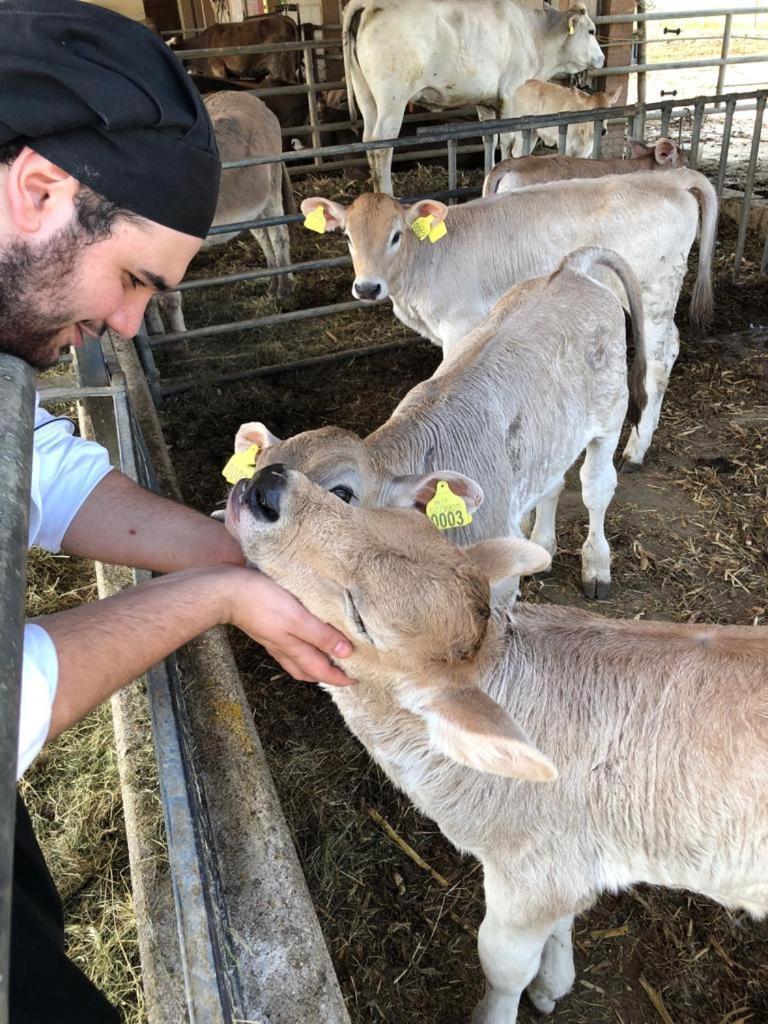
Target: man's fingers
x,y
322,636
305,663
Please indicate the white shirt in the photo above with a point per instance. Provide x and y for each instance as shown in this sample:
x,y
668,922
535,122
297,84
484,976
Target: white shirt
x,y
65,469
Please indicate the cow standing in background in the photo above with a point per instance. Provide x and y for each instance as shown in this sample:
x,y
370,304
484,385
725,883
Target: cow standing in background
x,y
453,53
519,172
269,28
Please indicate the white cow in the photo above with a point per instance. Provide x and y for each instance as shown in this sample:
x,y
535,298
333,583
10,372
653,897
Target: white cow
x,y
542,379
572,755
244,126
537,97
453,53
446,288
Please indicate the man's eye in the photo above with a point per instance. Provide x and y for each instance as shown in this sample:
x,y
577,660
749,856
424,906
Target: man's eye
x,y
344,493
135,281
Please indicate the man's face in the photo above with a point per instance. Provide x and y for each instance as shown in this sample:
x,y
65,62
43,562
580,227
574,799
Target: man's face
x,y
53,291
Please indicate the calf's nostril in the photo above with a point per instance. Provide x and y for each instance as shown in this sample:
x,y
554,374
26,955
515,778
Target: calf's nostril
x,y
263,493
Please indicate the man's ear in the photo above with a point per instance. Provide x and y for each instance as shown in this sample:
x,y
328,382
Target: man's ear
x,y
426,208
665,151
254,433
335,213
637,149
417,491
509,556
468,727
40,195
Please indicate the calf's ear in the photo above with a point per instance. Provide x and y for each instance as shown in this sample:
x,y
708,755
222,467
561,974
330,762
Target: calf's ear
x,y
335,213
508,556
417,491
249,434
665,151
468,727
637,149
426,208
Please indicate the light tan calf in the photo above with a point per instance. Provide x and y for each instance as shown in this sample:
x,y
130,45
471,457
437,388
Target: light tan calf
x,y
659,731
244,127
542,380
522,171
537,97
444,290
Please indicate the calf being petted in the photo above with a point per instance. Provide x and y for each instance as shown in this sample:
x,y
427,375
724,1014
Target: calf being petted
x,y
541,380
519,172
659,731
446,288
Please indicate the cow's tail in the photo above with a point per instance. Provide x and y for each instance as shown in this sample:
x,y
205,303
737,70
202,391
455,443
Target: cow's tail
x,y
353,12
702,301
584,261
289,203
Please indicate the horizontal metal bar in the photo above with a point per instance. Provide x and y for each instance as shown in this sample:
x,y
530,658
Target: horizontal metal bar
x,y
264,321
338,165
295,90
74,392
187,383
262,272
242,51
719,12
674,65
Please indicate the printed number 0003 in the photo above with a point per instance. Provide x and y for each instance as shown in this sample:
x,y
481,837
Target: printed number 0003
x,y
445,520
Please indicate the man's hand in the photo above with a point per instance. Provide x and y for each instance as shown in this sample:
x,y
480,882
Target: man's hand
x,y
283,626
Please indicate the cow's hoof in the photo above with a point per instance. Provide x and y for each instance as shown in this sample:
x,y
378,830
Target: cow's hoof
x,y
596,590
627,466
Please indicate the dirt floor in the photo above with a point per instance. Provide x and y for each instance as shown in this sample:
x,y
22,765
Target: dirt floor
x,y
689,537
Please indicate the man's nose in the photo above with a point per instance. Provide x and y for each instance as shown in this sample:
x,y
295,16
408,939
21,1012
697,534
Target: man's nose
x,y
127,320
262,495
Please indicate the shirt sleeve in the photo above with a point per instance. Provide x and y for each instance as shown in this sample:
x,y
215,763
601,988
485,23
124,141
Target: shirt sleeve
x,y
65,470
39,678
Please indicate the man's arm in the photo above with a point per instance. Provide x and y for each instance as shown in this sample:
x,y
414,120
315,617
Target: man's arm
x,y
102,646
124,524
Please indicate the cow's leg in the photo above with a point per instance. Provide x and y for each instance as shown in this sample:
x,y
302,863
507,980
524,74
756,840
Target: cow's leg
x,y
598,482
556,972
275,243
662,343
368,111
387,127
171,305
489,114
510,947
544,530
155,323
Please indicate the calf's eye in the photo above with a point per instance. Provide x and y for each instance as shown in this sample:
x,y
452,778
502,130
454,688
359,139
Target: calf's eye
x,y
395,238
343,492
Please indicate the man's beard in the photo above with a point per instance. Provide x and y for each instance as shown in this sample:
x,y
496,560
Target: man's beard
x,y
35,281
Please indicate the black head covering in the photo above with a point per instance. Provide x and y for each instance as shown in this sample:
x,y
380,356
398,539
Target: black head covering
x,y
105,99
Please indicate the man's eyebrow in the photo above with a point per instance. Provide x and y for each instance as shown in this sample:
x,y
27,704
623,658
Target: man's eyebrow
x,y
157,282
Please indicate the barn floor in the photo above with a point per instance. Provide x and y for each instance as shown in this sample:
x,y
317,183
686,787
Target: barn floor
x,y
689,537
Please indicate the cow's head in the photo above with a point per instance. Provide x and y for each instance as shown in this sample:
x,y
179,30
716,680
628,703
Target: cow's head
x,y
666,153
378,229
415,607
345,465
579,48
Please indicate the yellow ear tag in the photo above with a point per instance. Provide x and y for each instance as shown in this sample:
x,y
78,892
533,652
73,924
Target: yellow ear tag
x,y
242,465
315,220
570,28
438,231
447,510
422,226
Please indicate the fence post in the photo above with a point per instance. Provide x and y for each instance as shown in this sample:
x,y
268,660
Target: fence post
x,y
616,56
724,51
17,404
309,70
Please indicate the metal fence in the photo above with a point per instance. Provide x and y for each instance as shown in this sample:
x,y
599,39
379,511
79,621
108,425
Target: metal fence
x,y
634,117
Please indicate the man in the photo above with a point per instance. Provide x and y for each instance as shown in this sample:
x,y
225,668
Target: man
x,y
108,183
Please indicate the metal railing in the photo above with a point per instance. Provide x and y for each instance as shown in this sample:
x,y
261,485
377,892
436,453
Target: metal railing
x,y
17,404
635,117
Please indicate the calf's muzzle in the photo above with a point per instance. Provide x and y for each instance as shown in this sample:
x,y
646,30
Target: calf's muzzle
x,y
262,494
